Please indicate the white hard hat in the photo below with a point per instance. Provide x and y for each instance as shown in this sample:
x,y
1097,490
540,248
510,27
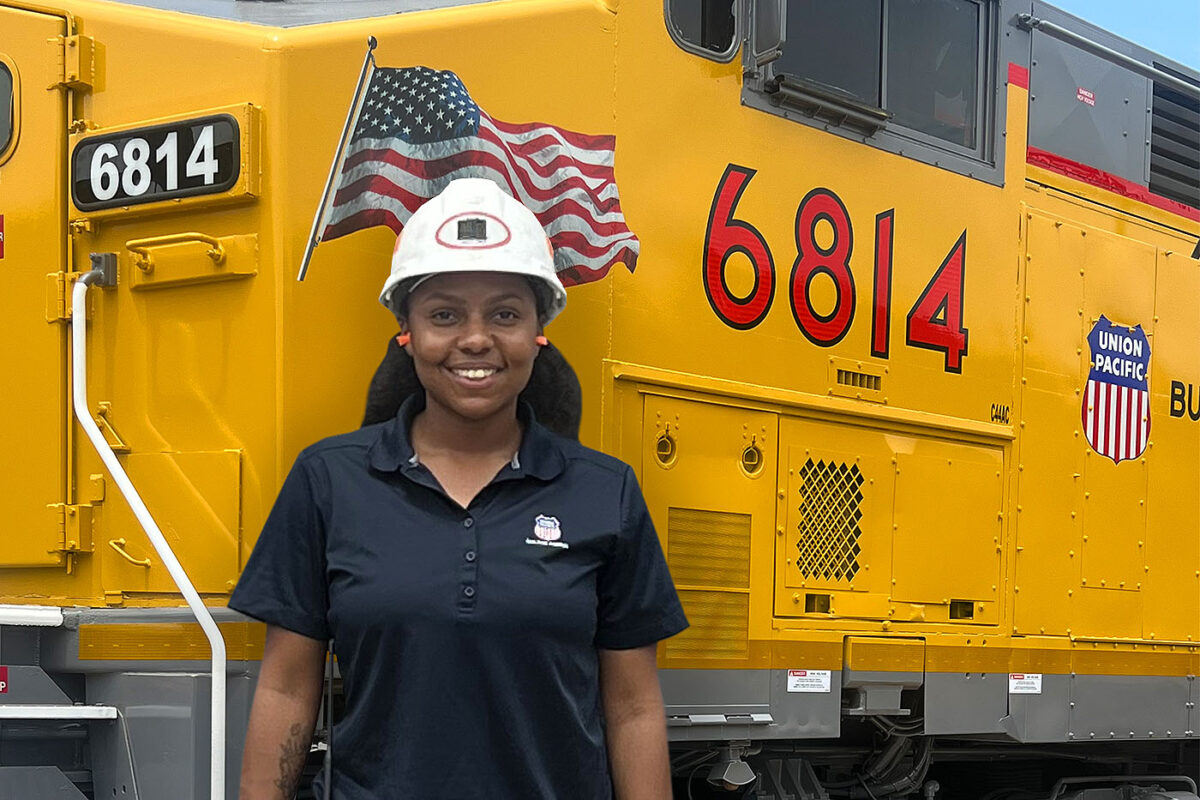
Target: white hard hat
x,y
474,226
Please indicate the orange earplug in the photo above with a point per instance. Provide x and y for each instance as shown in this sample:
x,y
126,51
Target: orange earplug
x,y
541,340
403,339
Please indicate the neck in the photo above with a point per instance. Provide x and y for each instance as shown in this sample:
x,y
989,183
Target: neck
x,y
437,430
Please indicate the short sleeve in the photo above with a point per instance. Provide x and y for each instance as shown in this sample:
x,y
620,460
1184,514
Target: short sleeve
x,y
638,604
284,580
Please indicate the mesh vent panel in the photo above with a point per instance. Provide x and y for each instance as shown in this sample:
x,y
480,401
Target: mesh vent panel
x,y
719,626
708,548
830,512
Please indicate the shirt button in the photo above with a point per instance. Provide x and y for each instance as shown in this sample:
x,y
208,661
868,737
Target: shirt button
x,y
468,522
469,591
469,555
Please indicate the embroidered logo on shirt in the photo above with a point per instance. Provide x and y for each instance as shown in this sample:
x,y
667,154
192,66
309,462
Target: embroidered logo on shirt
x,y
547,532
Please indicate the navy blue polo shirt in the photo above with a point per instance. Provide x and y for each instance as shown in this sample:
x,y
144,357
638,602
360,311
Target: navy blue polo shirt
x,y
467,638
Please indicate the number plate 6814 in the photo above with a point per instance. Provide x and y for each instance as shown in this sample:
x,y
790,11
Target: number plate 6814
x,y
155,163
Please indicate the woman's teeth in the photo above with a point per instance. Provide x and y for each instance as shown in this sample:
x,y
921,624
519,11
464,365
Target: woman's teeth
x,y
474,374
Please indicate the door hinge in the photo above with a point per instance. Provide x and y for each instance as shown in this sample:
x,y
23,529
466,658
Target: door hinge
x,y
74,62
58,296
75,522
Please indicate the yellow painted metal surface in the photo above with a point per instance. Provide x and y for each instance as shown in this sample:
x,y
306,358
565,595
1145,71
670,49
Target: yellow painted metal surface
x,y
167,641
878,654
33,203
984,523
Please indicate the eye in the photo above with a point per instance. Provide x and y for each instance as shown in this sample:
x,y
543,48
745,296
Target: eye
x,y
442,316
508,315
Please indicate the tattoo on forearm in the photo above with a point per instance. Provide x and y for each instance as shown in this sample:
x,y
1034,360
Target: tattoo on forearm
x,y
292,755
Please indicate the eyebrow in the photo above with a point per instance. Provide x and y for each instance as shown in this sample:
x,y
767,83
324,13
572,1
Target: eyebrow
x,y
443,297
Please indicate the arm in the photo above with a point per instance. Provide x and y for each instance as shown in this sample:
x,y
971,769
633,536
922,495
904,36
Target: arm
x,y
283,715
636,727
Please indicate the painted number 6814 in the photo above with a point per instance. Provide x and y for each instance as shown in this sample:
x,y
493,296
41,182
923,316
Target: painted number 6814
x,y
935,321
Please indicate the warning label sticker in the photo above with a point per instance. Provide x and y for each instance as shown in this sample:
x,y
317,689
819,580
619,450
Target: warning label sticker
x,y
3,680
809,680
1025,683
1,236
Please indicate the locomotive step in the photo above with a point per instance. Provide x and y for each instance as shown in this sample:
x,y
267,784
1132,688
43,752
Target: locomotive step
x,y
57,711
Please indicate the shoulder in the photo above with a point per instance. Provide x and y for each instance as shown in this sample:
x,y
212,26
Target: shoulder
x,y
352,446
580,458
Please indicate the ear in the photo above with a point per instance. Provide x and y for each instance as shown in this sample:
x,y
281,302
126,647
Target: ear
x,y
405,336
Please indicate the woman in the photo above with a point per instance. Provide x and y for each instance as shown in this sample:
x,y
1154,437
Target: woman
x,y
494,592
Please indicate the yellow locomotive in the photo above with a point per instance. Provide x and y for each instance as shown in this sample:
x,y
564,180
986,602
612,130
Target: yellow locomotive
x,y
908,369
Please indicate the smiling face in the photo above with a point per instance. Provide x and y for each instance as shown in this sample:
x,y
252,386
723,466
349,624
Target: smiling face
x,y
473,342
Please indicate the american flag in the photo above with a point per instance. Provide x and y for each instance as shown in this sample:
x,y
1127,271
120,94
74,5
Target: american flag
x,y
418,129
1116,400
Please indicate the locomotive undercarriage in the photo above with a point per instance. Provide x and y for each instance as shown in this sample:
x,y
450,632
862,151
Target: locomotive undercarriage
x,y
877,759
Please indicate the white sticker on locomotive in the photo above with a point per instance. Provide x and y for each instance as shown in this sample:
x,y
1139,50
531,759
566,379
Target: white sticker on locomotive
x,y
809,680
1024,683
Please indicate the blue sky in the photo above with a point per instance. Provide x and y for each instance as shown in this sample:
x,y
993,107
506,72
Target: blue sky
x,y
1168,27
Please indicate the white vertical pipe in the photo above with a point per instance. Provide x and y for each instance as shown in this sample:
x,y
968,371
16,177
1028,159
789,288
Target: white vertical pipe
x,y
215,640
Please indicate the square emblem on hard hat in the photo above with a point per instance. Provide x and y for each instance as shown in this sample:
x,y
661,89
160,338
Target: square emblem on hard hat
x,y
473,230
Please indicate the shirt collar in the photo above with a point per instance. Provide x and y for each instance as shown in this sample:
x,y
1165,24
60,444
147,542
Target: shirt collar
x,y
540,454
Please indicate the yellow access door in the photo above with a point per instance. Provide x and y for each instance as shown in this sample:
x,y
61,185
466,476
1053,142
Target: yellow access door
x,y
32,217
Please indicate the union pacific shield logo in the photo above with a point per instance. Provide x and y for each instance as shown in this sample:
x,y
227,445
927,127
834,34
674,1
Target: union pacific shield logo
x,y
1116,402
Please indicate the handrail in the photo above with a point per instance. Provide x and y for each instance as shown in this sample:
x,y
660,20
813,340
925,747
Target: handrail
x,y
178,575
1030,22
145,261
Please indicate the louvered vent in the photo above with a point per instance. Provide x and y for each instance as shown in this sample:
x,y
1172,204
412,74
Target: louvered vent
x,y
830,513
859,380
718,626
1175,143
708,548
709,556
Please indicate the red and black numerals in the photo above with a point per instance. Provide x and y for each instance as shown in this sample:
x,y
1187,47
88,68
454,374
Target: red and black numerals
x,y
726,236
935,321
881,309
834,261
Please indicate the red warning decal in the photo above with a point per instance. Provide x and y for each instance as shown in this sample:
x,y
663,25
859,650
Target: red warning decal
x,y
1,236
1085,96
3,680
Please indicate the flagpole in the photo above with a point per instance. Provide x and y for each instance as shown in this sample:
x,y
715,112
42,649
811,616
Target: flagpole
x,y
318,227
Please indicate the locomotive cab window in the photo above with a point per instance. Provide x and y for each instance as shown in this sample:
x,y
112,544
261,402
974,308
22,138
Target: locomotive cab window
x,y
705,27
8,110
909,76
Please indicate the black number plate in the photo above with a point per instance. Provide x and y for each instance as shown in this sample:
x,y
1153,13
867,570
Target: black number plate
x,y
161,162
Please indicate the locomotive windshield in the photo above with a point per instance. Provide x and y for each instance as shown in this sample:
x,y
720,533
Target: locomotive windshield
x,y
7,108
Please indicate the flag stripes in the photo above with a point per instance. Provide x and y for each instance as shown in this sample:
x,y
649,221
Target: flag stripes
x,y
1116,420
418,129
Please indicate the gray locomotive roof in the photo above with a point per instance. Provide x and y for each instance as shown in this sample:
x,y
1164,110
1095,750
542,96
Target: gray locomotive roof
x,y
293,13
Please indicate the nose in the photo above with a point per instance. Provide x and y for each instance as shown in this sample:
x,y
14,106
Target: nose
x,y
476,337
